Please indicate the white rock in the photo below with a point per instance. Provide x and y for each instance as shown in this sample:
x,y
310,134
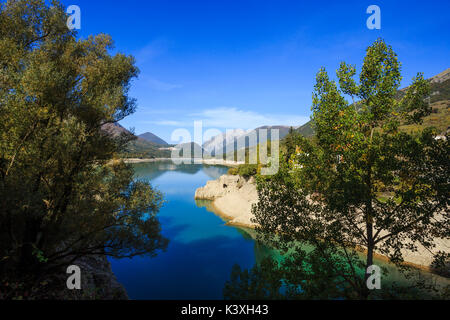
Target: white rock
x,y
233,197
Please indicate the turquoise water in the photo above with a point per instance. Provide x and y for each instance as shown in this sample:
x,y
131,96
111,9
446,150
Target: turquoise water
x,y
202,249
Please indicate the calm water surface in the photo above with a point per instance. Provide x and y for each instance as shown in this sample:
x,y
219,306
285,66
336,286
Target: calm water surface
x,y
202,249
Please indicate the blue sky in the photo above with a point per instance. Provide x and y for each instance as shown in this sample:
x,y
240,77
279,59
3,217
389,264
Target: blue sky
x,y
243,64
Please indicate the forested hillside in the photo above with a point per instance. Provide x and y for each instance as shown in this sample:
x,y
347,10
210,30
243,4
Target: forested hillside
x,y
139,147
439,100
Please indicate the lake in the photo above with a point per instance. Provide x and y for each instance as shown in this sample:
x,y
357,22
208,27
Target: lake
x,y
202,249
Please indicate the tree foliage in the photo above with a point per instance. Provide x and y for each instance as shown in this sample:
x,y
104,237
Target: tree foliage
x,y
61,197
359,184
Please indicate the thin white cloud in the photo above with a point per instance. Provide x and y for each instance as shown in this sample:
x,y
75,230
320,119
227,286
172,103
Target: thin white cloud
x,y
161,85
234,118
168,123
225,117
151,51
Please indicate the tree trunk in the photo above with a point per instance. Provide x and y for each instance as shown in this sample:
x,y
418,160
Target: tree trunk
x,y
370,248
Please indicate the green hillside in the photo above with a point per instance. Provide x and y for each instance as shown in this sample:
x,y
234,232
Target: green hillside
x,y
306,129
148,136
439,118
138,148
440,103
143,149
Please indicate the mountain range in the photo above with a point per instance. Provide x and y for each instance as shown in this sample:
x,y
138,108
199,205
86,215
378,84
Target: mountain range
x,y
146,145
149,145
231,139
150,137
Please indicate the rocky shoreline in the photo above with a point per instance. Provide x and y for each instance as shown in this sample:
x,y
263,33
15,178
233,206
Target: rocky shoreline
x,y
232,198
98,281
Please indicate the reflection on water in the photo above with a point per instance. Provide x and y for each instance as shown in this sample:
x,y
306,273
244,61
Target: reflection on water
x,y
261,251
391,276
202,249
152,170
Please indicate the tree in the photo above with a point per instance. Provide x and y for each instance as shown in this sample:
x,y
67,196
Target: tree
x,y
361,186
61,195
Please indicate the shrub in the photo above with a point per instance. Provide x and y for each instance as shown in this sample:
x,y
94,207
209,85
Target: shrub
x,y
244,170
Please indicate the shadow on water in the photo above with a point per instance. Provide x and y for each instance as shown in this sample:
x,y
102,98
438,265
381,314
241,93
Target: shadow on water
x,y
261,251
391,274
195,270
202,249
152,170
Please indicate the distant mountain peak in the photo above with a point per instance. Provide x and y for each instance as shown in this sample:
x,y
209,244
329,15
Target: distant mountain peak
x,y
227,140
114,129
150,137
221,139
441,77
